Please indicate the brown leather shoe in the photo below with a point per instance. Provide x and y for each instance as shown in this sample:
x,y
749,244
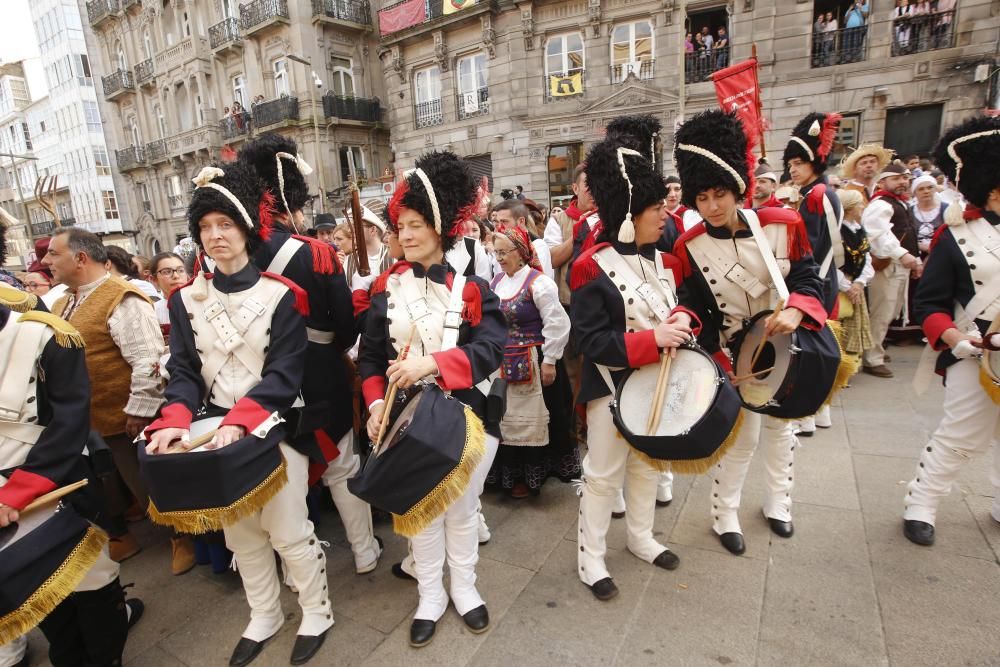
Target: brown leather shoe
x,y
880,371
183,558
122,548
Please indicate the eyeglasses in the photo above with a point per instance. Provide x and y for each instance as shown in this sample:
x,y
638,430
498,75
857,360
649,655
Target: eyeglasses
x,y
37,285
166,273
500,254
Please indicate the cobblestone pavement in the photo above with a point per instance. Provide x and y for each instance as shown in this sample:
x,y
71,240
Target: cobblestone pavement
x,y
847,589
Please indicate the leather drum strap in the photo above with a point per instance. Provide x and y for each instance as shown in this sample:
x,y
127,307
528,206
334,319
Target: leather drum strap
x,y
765,250
284,255
836,243
17,374
231,338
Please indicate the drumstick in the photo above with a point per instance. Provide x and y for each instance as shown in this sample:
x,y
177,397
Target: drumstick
x,y
763,341
661,388
202,439
736,380
390,395
54,495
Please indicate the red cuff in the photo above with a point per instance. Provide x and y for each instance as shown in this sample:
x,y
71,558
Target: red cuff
x,y
247,413
641,348
174,415
695,320
373,389
23,487
723,360
454,369
811,308
936,324
361,300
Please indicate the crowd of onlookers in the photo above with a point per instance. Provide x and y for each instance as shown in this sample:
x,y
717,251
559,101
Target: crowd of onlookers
x,y
705,53
921,25
239,119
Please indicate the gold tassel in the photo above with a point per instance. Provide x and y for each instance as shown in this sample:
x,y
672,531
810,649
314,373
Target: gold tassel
x,y
65,333
451,487
991,387
847,368
16,300
56,588
198,522
695,466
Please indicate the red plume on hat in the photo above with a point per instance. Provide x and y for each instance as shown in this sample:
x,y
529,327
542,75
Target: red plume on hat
x,y
827,134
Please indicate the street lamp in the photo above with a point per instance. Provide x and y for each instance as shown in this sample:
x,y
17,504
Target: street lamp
x,y
316,83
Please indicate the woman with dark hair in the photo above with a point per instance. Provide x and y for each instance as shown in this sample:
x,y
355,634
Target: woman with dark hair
x,y
120,264
169,273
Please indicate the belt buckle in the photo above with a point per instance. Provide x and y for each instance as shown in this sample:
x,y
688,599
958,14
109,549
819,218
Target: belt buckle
x,y
417,309
452,319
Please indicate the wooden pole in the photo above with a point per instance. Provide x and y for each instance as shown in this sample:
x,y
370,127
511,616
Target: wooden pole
x,y
760,104
390,396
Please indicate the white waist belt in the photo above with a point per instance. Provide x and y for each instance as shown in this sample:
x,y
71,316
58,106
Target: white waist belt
x,y
320,337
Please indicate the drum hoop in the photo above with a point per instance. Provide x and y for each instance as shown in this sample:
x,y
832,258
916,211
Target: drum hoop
x,y
735,350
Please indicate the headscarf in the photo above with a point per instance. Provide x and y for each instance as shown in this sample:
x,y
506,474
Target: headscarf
x,y
522,244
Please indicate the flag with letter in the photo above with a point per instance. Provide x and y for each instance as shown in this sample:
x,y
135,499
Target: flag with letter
x,y
564,85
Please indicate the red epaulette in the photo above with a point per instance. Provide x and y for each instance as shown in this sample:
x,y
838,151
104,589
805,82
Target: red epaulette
x,y
382,282
674,264
680,249
301,298
472,303
814,200
585,268
937,235
324,257
798,238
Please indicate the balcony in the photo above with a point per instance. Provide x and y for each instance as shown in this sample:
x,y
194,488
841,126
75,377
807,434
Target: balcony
x,y
261,14
100,10
144,73
43,228
700,65
395,25
117,84
156,151
235,126
565,86
357,12
130,158
181,53
352,108
641,70
473,103
224,36
429,113
837,47
281,110
204,139
917,33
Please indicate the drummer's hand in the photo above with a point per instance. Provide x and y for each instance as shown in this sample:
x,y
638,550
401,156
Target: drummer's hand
x,y
410,370
548,374
136,425
8,515
672,333
955,339
787,321
375,413
165,438
226,435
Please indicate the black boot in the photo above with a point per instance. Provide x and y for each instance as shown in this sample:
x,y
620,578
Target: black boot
x,y
604,589
421,632
246,651
733,542
781,528
478,619
919,532
306,646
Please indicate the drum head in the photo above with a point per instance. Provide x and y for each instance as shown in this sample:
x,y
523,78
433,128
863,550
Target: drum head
x,y
757,391
691,389
203,426
991,363
394,435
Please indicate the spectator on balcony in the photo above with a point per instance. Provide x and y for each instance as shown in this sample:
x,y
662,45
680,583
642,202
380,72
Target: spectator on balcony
x,y
688,43
943,17
901,27
237,113
921,25
830,27
817,48
226,113
721,49
854,30
699,65
707,39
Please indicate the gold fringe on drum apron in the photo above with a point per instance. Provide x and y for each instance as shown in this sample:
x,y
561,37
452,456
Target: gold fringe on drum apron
x,y
56,588
451,487
693,466
848,367
992,388
198,522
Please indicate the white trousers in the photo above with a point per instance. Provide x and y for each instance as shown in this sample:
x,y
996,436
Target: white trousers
x,y
886,299
13,651
609,466
453,536
283,526
970,425
778,440
664,492
355,513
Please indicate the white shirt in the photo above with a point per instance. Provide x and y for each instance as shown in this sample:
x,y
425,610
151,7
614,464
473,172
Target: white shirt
x,y
458,258
867,273
877,220
553,235
544,258
53,295
545,294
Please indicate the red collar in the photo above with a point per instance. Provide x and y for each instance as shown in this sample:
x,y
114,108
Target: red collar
x,y
972,212
888,195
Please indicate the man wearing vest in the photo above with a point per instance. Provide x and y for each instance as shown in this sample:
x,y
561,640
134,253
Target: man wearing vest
x,y
893,238
123,347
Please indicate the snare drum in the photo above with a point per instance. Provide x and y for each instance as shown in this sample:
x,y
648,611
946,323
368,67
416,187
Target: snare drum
x,y
425,462
202,490
700,410
803,373
989,364
43,558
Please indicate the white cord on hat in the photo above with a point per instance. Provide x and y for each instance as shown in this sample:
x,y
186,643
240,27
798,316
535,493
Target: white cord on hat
x,y
626,233
204,180
430,195
800,142
300,164
704,152
954,154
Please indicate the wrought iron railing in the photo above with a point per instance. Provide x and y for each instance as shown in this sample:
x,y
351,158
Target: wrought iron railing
x,y
224,32
428,113
916,33
130,158
355,11
699,65
43,228
564,85
118,81
642,70
144,72
275,111
98,10
260,11
836,47
473,103
352,108
156,150
235,125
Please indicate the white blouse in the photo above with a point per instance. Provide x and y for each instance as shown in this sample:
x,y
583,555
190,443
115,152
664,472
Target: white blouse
x,y
545,294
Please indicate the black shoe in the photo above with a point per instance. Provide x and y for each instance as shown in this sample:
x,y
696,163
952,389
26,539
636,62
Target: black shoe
x,y
477,620
246,651
306,646
733,542
604,589
135,609
668,560
781,528
421,632
919,532
618,515
400,573
664,503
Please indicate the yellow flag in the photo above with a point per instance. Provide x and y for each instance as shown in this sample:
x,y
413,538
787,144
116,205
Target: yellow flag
x,y
452,6
564,85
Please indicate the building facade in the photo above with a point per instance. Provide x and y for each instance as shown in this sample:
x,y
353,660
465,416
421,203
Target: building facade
x,y
181,80
522,88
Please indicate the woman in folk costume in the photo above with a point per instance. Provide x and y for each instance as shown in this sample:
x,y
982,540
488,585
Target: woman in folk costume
x,y
535,432
617,329
958,304
854,275
427,212
726,283
323,428
228,216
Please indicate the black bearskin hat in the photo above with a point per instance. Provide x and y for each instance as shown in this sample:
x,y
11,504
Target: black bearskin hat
x,y
455,190
242,182
638,133
261,154
974,175
610,190
817,131
721,134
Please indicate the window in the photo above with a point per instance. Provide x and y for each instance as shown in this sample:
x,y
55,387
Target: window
x,y
121,61
101,161
110,204
239,90
709,51
187,25
27,136
632,51
229,10
427,92
175,193
161,121
473,92
564,54
342,75
562,161
847,139
147,205
281,87
147,44
201,109
92,116
352,163
81,68
913,130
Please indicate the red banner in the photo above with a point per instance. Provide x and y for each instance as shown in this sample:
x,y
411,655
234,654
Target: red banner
x,y
737,89
401,15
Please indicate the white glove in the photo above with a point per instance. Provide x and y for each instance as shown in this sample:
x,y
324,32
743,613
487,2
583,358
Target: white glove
x,y
362,282
966,350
